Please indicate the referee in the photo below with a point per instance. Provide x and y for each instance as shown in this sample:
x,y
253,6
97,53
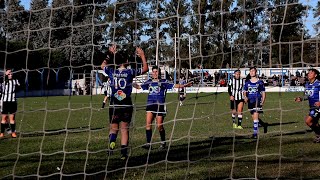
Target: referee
x,y
235,86
9,103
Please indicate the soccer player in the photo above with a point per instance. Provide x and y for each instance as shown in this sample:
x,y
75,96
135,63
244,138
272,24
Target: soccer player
x,y
106,92
156,107
312,93
182,91
255,95
235,86
120,107
9,103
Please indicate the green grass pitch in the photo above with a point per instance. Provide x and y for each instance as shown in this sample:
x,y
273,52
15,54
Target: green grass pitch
x,y
67,136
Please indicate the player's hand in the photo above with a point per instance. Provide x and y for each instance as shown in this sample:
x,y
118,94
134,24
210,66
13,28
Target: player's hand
x,y
246,100
231,98
135,85
298,99
139,52
113,49
317,104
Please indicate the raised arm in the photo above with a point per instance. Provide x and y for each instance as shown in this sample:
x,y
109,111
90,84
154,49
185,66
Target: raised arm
x,y
104,64
112,51
140,53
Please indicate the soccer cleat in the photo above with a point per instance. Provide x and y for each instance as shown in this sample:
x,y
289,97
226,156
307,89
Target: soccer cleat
x,y
317,139
146,146
14,135
239,127
254,136
1,135
162,146
235,126
112,145
181,103
124,157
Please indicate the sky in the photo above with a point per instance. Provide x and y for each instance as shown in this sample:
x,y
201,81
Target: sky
x,y
308,21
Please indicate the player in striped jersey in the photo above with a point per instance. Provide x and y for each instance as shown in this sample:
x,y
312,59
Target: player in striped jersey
x,y
120,106
9,103
312,94
156,106
235,87
182,91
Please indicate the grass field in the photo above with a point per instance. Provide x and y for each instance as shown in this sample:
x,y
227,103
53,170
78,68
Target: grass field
x,y
67,136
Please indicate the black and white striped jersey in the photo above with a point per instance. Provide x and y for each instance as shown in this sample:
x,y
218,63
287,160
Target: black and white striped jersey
x,y
235,87
8,90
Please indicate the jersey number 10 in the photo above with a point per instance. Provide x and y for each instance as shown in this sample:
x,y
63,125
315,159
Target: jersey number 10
x,y
120,83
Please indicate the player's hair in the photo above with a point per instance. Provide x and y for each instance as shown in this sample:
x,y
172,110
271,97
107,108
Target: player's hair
x,y
316,72
248,77
119,58
238,70
159,71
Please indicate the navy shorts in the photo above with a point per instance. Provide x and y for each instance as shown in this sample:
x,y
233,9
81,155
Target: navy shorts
x,y
9,107
157,109
314,113
234,104
255,107
120,112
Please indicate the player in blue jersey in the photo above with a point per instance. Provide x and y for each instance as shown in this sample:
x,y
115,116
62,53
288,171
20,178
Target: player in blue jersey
x,y
312,94
120,106
255,95
156,103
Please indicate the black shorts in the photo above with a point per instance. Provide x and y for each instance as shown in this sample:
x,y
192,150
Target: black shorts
x,y
9,107
255,107
314,113
106,93
157,109
120,112
234,104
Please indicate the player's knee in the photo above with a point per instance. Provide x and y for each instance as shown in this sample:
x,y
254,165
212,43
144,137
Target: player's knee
x,y
308,121
160,127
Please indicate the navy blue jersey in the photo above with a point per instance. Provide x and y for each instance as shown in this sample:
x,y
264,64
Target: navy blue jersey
x,y
312,91
121,83
254,90
157,90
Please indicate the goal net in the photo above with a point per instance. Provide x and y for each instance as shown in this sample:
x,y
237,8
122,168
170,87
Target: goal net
x,y
55,49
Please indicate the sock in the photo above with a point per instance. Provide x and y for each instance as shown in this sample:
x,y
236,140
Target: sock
x,y
103,104
124,150
162,135
255,127
315,129
3,127
112,137
148,135
13,127
233,118
239,119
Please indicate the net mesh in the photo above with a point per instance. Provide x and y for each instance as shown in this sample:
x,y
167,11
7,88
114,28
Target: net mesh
x,y
55,49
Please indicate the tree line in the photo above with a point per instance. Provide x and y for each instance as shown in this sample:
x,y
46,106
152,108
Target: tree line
x,y
74,35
